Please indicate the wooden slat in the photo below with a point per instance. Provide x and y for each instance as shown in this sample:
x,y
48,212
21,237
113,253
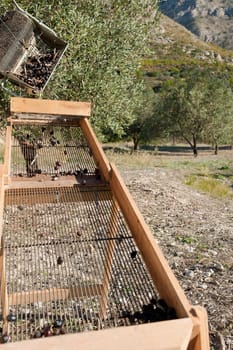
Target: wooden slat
x,y
52,294
97,151
167,335
54,107
55,121
163,277
4,295
2,178
7,153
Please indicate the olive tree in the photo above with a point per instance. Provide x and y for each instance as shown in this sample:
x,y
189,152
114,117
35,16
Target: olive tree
x,y
107,40
196,108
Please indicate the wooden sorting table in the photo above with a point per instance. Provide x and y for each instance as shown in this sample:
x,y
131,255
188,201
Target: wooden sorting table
x,y
93,219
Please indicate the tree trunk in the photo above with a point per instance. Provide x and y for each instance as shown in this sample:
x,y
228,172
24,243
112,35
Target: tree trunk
x,y
135,143
194,147
216,149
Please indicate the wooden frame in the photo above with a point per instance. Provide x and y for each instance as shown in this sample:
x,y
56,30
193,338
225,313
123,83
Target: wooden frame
x,y
189,331
68,108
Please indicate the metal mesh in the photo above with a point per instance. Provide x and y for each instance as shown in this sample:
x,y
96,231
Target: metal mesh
x,y
70,258
50,150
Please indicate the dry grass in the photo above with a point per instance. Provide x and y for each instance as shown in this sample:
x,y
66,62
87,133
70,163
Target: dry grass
x,y
206,173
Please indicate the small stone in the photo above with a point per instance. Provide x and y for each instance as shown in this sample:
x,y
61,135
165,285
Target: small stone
x,y
204,286
189,273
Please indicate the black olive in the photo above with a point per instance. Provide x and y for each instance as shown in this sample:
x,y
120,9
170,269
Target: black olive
x,y
137,315
59,260
161,303
171,313
133,254
153,301
11,318
58,323
53,141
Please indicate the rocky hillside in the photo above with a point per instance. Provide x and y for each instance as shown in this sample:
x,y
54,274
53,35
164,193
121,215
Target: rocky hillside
x,y
211,20
174,50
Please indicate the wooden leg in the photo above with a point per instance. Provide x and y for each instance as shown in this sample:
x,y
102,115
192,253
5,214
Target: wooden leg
x,y
4,296
201,341
7,154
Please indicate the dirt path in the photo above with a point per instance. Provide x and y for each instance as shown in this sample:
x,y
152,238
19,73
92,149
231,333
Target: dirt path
x,y
195,233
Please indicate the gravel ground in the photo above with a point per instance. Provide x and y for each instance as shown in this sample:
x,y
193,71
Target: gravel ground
x,y
195,234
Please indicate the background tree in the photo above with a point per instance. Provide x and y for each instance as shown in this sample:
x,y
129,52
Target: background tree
x,y
220,127
140,129
106,42
193,107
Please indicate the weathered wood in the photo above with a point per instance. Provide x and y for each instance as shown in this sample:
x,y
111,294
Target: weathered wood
x,y
167,335
97,151
54,121
53,294
2,183
7,153
54,107
162,275
4,295
201,340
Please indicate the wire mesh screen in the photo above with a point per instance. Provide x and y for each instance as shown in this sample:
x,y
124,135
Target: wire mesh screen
x,y
72,264
50,150
29,51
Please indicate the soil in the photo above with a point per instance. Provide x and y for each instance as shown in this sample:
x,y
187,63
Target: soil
x,y
195,234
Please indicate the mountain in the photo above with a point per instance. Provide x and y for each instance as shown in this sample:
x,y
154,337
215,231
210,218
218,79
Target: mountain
x,y
211,21
175,51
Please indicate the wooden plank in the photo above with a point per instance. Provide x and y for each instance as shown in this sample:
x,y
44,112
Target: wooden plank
x,y
52,294
40,195
201,341
46,181
55,121
7,153
163,277
2,180
4,295
101,160
167,335
54,107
